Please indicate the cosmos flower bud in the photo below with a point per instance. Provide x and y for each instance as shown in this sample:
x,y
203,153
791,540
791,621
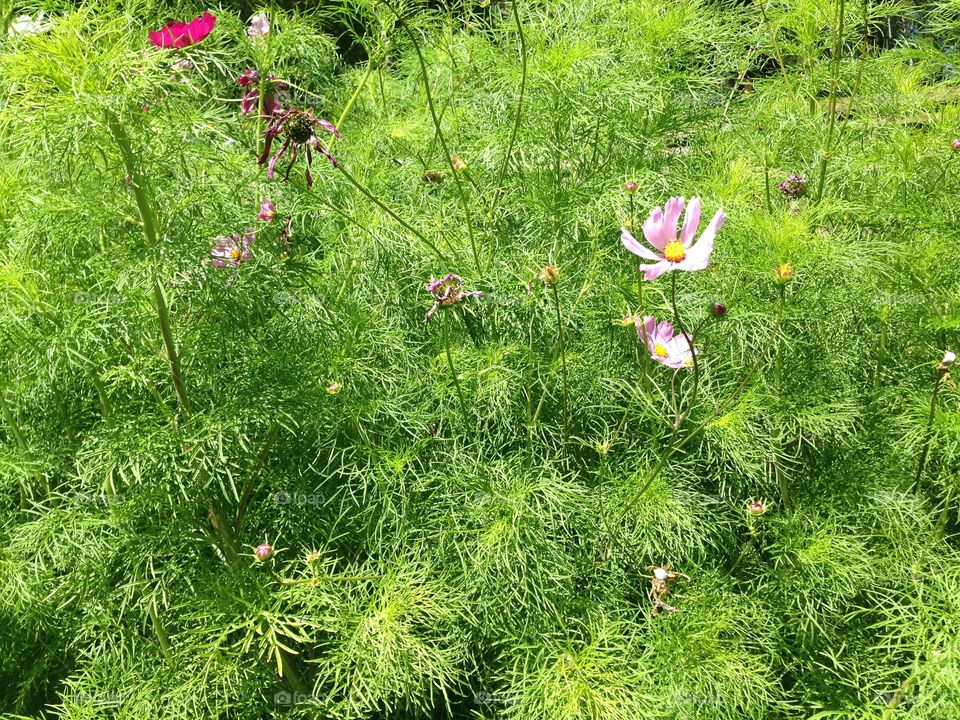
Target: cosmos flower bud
x,y
457,164
263,551
630,186
784,273
334,387
718,310
757,507
956,145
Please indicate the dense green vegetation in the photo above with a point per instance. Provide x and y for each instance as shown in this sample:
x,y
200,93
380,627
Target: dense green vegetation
x,y
241,476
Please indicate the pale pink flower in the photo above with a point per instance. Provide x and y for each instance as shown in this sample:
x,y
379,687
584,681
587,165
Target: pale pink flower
x,y
259,26
670,253
267,210
234,250
664,347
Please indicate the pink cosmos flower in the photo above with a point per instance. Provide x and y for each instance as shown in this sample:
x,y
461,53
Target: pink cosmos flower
x,y
267,210
234,250
664,347
180,34
660,230
259,26
297,127
447,291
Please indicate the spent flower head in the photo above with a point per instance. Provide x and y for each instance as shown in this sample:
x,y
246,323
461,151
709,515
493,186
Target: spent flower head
x,y
446,292
673,253
794,186
297,130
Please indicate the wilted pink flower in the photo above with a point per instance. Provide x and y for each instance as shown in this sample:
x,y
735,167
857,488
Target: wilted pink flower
x,y
297,127
179,34
794,186
234,250
664,347
250,78
446,292
267,211
259,26
263,551
660,230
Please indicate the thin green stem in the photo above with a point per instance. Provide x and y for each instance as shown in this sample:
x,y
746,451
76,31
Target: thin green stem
x,y
928,432
498,191
832,101
451,368
561,337
373,198
673,449
468,215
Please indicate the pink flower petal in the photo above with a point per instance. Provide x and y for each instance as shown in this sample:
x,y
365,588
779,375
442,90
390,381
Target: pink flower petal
x,y
631,244
652,272
690,222
698,256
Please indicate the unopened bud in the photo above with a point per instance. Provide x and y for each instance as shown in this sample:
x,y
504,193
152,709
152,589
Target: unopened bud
x,y
718,310
956,145
784,273
457,164
264,551
758,507
630,186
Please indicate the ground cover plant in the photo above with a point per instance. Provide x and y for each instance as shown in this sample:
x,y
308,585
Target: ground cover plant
x,y
543,360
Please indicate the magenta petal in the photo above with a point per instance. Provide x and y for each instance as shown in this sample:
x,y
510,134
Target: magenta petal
x,y
249,101
329,127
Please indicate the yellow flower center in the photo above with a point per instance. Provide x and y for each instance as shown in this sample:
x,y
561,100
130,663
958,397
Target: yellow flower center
x,y
674,251
235,254
660,350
